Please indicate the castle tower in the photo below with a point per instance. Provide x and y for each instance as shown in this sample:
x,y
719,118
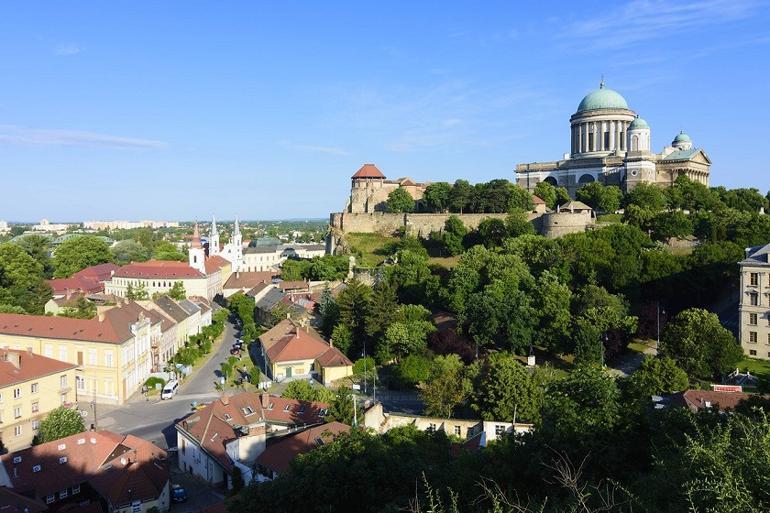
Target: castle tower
x,y
214,238
366,189
197,256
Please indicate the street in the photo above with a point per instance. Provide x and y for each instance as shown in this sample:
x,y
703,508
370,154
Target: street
x,y
154,419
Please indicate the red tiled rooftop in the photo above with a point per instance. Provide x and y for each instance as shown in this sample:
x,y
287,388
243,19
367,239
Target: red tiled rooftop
x,y
368,171
19,366
278,456
158,269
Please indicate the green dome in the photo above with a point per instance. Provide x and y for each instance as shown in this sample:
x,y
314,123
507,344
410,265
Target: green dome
x,y
602,98
638,123
682,137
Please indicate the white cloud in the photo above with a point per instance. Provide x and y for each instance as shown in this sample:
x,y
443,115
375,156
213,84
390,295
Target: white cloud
x,y
643,20
67,49
14,134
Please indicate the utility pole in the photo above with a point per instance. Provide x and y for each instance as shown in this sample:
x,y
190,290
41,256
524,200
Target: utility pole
x,y
93,407
355,415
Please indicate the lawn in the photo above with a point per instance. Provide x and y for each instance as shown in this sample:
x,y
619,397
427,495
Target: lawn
x,y
370,249
609,218
446,262
759,368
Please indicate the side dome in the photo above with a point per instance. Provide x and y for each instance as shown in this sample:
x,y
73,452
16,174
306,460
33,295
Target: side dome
x,y
682,137
602,98
638,124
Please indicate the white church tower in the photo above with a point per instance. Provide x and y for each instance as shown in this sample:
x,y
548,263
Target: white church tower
x,y
214,238
236,243
197,256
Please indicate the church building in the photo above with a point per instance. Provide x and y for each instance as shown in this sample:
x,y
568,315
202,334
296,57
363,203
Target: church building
x,y
232,251
611,144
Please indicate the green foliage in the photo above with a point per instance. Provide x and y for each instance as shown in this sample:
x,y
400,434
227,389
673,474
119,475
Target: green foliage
x,y
342,338
446,388
353,304
437,196
516,224
453,235
689,195
546,192
39,248
153,381
552,302
399,200
127,251
136,293
328,310
699,344
666,225
647,196
503,389
77,253
461,195
83,309
602,198
406,334
59,423
411,371
21,280
341,407
304,391
656,376
166,251
177,291
325,268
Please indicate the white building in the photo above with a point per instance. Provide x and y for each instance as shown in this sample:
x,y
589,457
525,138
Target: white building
x,y
128,225
46,226
4,227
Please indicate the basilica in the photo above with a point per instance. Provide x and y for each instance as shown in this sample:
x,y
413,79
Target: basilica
x,y
611,144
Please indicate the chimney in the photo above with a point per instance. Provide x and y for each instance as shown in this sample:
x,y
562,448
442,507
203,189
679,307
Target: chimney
x,y
14,358
264,398
331,343
225,399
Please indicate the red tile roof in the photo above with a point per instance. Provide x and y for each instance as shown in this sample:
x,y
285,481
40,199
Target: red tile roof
x,y
301,344
287,286
20,366
278,456
215,263
118,467
698,399
537,200
169,269
12,502
114,327
368,171
248,280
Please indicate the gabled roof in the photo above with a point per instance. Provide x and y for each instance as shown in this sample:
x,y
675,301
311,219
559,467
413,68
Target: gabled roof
x,y
248,280
278,456
269,300
119,467
537,200
574,205
168,269
293,285
12,502
172,308
20,366
686,155
214,263
301,344
705,399
757,255
368,171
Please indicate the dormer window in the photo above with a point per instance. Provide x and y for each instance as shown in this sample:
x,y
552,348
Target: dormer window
x,y
247,410
287,407
37,468
227,417
62,460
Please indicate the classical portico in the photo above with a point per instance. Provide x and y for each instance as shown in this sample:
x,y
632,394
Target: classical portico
x,y
611,144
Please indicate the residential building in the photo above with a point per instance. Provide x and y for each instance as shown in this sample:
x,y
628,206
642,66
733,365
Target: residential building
x,y
114,349
243,281
291,351
754,303
704,400
31,386
611,144
87,281
261,258
12,502
128,225
46,226
277,457
233,431
481,432
91,471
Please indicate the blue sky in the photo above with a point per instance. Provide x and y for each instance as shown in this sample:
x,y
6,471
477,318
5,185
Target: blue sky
x,y
177,110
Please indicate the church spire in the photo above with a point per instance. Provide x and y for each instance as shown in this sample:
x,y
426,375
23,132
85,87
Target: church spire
x,y
214,231
237,230
196,240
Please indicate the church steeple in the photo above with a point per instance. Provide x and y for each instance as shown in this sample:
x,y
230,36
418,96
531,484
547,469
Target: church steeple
x,y
196,255
236,242
214,238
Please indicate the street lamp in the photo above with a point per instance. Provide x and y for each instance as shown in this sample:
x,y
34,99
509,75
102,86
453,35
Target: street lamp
x,y
659,311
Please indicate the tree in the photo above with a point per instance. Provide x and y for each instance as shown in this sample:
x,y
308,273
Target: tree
x,y
647,196
699,344
353,303
517,224
301,390
60,423
412,370
341,408
404,337
177,291
446,388
437,196
166,251
21,280
39,248
453,235
460,196
582,403
237,481
342,338
77,253
382,309
328,310
136,293
503,390
675,223
552,302
492,232
546,192
603,198
400,201
127,251
656,376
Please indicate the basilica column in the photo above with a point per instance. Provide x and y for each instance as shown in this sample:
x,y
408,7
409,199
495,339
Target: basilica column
x,y
612,136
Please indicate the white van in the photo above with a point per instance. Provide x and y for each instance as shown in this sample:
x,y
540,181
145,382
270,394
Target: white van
x,y
169,390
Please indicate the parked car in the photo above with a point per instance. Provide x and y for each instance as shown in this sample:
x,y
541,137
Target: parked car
x,y
169,390
178,493
235,351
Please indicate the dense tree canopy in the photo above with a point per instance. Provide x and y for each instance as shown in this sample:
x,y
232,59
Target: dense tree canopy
x,y
80,252
399,200
60,423
21,280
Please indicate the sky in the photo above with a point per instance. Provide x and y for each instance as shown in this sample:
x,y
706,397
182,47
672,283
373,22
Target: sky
x,y
263,110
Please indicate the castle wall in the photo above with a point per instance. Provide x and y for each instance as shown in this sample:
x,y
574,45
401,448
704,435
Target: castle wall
x,y
558,224
420,225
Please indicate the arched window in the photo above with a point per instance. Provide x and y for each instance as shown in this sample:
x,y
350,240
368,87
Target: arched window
x,y
552,181
586,178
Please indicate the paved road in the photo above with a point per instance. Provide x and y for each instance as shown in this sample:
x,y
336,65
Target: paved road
x,y
154,420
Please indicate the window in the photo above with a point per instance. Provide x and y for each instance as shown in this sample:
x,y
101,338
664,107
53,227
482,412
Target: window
x,y
17,431
606,140
754,279
458,430
752,353
92,357
63,381
499,429
108,358
35,407
62,460
35,425
63,353
63,399
34,388
754,299
80,383
16,412
49,499
285,408
431,427
753,319
63,494
248,411
752,337
16,393
48,351
75,489
1,398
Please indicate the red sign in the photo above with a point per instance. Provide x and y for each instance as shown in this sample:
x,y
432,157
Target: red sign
x,y
727,388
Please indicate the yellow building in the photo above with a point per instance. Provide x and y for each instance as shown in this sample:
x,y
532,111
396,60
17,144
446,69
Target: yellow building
x,y
292,351
114,349
30,387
